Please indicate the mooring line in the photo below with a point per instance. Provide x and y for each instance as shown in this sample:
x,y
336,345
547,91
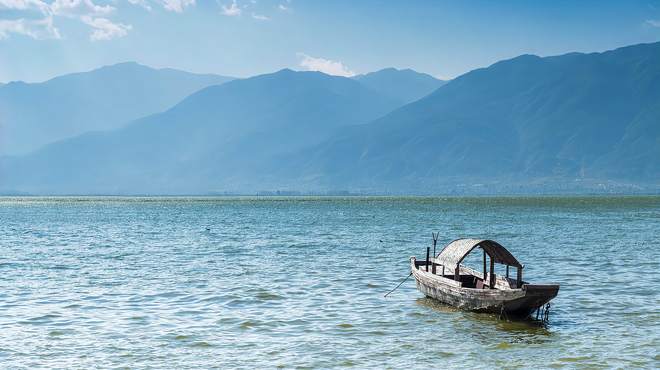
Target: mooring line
x,y
397,287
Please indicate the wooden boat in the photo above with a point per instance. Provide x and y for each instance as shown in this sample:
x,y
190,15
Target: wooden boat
x,y
445,279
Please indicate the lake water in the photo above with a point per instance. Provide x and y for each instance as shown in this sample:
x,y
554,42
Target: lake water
x,y
299,282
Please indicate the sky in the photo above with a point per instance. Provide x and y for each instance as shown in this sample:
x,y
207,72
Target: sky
x,y
40,39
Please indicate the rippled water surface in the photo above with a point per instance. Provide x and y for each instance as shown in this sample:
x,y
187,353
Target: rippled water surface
x,y
299,282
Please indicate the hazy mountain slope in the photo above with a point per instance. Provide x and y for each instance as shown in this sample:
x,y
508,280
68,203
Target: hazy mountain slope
x,y
34,114
565,117
214,139
404,85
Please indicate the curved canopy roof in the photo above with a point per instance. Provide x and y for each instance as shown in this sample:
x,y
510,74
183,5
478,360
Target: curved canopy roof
x,y
455,252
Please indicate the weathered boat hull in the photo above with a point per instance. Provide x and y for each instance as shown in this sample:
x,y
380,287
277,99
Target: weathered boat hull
x,y
518,302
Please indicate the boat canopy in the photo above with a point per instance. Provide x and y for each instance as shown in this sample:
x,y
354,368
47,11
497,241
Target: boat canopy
x,y
454,253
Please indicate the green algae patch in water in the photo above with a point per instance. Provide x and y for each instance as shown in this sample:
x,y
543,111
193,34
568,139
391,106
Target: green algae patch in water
x,y
575,359
503,345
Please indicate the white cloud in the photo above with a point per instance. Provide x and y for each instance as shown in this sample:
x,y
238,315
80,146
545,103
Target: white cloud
x,y
14,26
85,11
35,18
283,7
38,29
176,5
260,17
23,4
327,66
104,29
69,8
143,3
653,23
231,10
79,8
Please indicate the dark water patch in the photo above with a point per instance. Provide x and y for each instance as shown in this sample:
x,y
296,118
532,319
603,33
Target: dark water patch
x,y
139,318
42,319
194,313
211,299
239,302
228,321
60,333
268,296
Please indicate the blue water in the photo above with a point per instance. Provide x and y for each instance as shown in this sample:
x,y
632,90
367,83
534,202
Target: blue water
x,y
299,282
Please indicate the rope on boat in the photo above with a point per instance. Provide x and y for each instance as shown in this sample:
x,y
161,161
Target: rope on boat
x,y
544,312
503,313
397,287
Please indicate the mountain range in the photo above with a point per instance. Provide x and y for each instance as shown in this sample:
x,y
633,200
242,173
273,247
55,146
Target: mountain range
x,y
403,85
562,118
211,139
35,114
582,122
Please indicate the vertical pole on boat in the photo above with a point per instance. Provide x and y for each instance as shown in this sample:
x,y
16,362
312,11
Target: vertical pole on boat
x,y
435,239
428,250
507,271
492,272
519,277
484,265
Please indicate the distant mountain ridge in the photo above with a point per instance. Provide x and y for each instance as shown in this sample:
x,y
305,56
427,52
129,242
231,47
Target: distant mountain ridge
x,y
213,138
551,124
404,85
568,117
34,114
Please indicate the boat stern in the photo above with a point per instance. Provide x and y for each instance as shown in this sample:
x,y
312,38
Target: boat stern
x,y
536,295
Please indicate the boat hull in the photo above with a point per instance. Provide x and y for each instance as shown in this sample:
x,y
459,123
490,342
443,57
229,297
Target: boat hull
x,y
520,302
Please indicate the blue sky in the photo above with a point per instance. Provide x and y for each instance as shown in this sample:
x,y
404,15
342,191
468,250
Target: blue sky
x,y
40,39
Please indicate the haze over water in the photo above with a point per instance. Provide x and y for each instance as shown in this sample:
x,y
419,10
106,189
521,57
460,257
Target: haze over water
x,y
299,282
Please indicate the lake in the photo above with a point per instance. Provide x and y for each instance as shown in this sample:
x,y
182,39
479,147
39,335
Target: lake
x,y
299,282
